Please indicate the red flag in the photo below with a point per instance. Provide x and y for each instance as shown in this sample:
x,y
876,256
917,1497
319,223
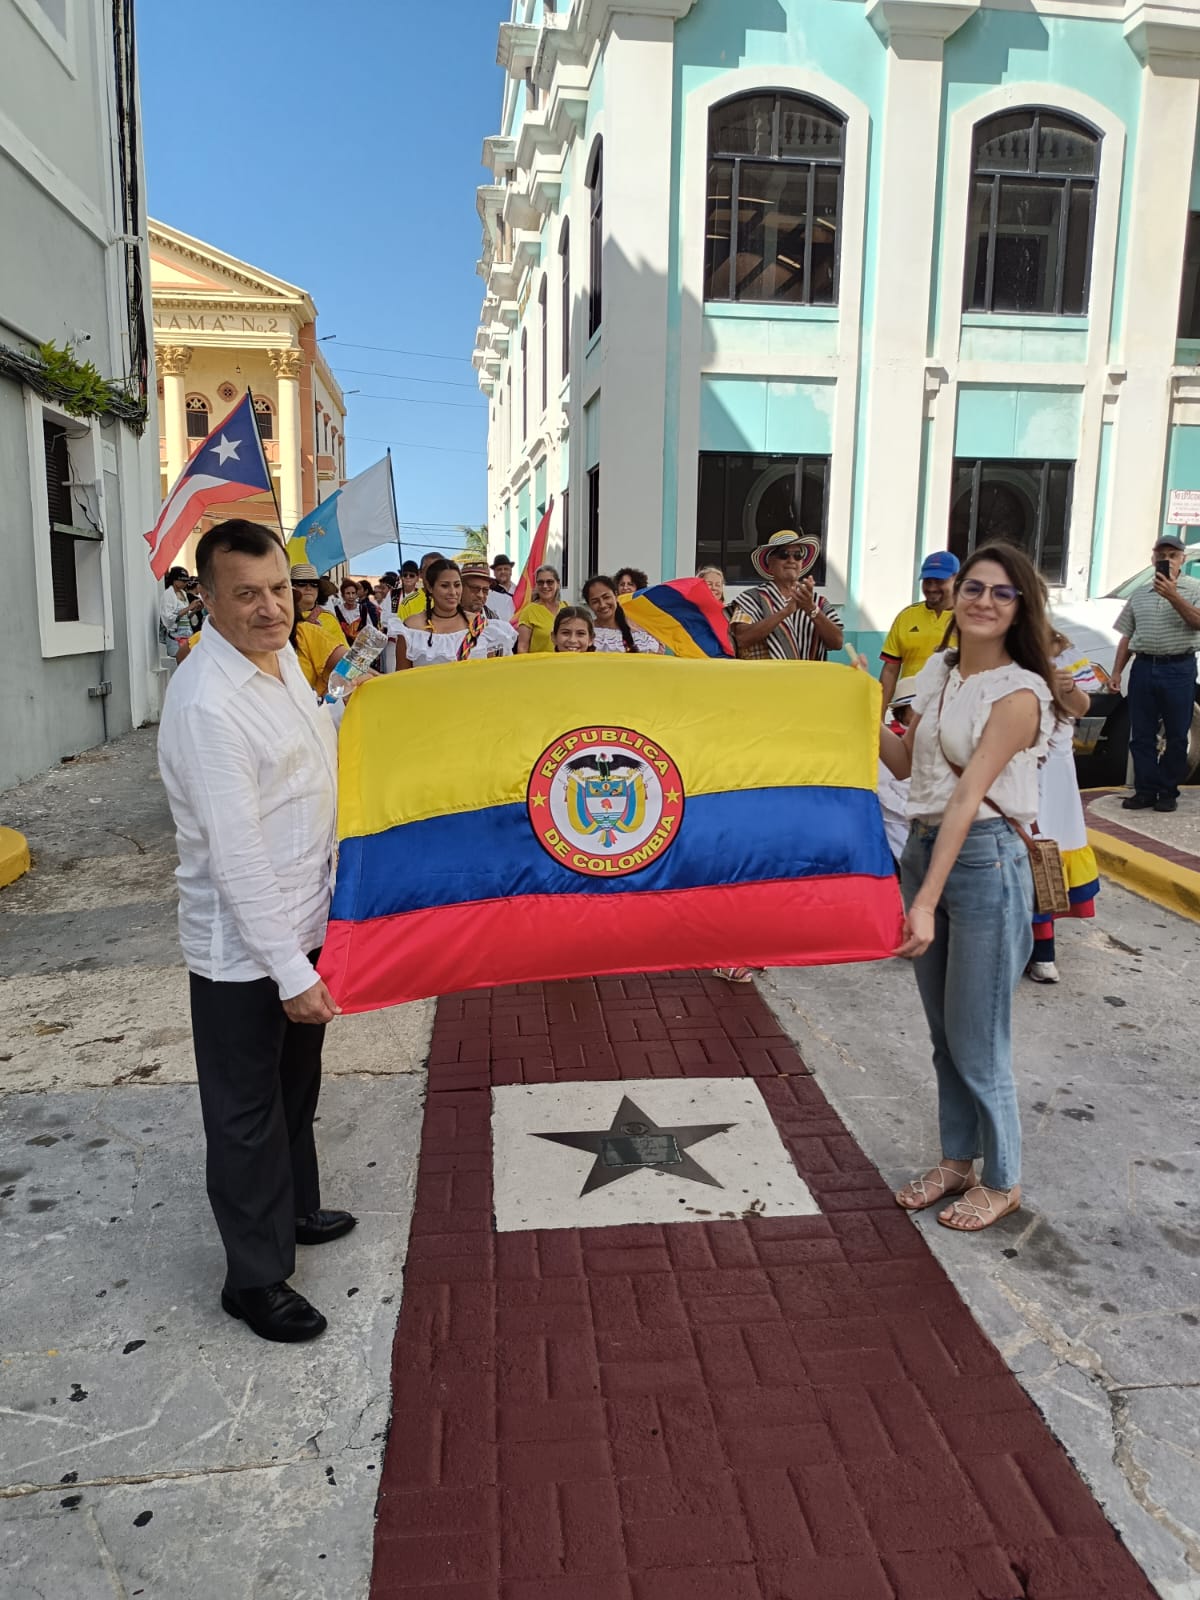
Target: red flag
x,y
229,465
525,591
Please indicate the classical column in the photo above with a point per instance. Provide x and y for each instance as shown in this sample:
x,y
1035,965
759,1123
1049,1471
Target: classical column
x,y
885,540
310,488
172,361
286,365
1168,45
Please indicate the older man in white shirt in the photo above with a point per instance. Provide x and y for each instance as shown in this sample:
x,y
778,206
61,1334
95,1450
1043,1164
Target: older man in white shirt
x,y
249,760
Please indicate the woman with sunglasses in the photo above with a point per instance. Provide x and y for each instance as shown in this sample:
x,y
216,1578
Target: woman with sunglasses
x,y
982,719
535,622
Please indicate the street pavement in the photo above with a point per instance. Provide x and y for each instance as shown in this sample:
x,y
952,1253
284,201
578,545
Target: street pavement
x,y
785,1401
1092,1291
150,1445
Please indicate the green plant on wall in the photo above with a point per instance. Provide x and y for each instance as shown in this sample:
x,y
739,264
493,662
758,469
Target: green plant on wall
x,y
77,386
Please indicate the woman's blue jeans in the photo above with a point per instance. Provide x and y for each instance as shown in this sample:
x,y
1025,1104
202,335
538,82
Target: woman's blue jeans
x,y
982,941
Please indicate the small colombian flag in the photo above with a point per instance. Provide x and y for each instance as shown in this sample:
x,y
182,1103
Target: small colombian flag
x,y
640,814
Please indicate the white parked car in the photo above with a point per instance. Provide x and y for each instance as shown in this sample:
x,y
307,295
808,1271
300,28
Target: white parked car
x,y
1102,737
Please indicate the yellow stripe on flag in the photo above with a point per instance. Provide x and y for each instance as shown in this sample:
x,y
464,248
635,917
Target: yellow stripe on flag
x,y
464,736
297,551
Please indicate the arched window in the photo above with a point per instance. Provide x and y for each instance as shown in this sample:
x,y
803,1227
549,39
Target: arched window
x,y
264,415
524,384
198,424
595,183
543,345
564,256
774,200
1032,211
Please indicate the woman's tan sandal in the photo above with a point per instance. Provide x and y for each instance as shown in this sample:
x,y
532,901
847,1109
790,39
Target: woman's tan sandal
x,y
933,1187
736,974
970,1216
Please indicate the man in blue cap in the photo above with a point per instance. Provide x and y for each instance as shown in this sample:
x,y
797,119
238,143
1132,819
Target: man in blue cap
x,y
919,630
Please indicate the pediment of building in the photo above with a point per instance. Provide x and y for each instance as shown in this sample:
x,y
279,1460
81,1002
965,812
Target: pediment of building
x,y
185,270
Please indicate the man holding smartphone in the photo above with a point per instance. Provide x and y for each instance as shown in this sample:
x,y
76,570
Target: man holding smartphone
x,y
1160,628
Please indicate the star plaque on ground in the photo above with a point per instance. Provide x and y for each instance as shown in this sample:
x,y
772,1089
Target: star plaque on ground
x,y
594,1155
635,1142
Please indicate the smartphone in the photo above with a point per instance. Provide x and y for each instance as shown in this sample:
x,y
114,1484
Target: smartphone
x,y
1163,568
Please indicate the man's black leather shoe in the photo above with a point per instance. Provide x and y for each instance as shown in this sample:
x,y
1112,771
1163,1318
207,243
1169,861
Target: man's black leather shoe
x,y
319,1227
1138,802
276,1312
1166,802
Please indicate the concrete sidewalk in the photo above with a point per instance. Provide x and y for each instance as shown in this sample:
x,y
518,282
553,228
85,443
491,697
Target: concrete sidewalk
x,y
1155,854
149,1445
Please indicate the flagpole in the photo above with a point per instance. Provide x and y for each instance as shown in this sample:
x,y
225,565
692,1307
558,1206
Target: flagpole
x,y
395,508
267,468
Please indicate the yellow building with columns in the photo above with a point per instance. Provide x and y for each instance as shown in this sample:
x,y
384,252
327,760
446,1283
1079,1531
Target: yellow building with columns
x,y
222,326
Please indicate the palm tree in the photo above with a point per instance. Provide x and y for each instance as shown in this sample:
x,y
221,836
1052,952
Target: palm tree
x,y
475,539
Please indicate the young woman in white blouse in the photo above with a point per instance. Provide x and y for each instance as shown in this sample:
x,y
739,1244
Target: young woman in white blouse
x,y
987,709
445,631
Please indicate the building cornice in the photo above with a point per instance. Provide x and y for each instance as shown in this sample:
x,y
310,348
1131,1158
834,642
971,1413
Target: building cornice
x,y
517,47
499,152
520,214
592,18
897,20
1165,38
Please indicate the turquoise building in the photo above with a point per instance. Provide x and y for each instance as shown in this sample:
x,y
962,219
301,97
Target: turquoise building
x,y
907,273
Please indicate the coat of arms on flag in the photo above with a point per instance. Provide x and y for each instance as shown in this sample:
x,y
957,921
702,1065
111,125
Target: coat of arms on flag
x,y
229,465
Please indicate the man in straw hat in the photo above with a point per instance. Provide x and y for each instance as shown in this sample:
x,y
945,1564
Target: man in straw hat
x,y
785,619
480,592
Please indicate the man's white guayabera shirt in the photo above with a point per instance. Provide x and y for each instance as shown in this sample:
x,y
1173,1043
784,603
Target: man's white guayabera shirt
x,y
250,767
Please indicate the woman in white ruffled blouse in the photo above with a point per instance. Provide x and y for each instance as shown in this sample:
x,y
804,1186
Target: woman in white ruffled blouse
x,y
445,631
987,709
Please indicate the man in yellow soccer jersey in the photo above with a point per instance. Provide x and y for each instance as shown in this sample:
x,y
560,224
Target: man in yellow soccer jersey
x,y
919,630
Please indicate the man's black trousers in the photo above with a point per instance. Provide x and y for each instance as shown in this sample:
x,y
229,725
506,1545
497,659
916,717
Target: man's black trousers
x,y
260,1076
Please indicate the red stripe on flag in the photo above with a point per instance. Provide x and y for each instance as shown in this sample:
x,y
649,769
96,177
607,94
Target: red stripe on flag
x,y
191,510
793,923
524,591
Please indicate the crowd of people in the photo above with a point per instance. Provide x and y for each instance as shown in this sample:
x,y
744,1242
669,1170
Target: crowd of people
x,y
980,699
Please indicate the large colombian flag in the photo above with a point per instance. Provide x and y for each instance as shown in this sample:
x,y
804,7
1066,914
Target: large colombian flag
x,y
543,817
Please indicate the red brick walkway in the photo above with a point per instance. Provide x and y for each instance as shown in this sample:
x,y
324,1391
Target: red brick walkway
x,y
767,1409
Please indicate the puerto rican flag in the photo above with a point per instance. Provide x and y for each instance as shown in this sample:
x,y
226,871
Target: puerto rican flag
x,y
229,465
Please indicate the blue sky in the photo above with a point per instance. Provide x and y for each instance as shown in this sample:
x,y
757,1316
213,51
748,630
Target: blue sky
x,y
339,147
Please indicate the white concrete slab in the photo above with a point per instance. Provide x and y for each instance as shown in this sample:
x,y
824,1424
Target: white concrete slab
x,y
740,1167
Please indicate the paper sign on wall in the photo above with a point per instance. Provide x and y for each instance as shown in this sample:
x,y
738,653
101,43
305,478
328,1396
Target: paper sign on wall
x,y
1184,508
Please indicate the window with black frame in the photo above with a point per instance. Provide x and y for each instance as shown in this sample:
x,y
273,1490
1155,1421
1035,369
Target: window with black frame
x,y
1189,298
196,408
595,185
564,255
744,499
1032,214
773,220
593,519
1026,503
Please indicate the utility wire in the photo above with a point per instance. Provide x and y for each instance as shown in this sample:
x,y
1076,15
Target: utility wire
x,y
391,350
402,400
403,377
408,444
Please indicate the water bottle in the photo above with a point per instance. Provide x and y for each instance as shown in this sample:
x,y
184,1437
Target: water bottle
x,y
356,663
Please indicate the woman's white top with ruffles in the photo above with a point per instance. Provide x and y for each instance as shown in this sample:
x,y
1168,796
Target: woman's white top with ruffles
x,y
964,715
432,649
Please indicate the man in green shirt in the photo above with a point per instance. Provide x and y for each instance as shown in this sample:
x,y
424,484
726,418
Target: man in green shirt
x,y
1160,628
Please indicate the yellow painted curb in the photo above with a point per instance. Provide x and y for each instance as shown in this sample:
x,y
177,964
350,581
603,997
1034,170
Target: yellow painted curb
x,y
14,856
1177,888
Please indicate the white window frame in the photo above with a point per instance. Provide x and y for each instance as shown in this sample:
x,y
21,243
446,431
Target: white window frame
x,y
61,44
93,633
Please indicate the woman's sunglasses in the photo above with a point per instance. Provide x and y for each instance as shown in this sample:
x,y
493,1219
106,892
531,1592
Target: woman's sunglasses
x,y
1004,594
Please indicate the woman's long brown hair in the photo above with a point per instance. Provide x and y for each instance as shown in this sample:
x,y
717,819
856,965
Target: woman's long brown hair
x,y
1028,638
